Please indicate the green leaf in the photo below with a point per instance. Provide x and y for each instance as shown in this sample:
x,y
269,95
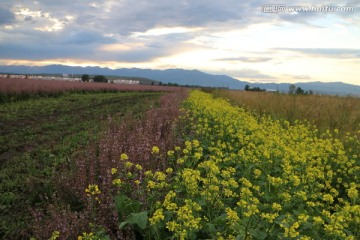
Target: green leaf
x,y
258,234
209,227
125,206
123,224
140,219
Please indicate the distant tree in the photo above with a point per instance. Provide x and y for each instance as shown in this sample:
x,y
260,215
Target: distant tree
x,y
299,91
160,83
292,89
100,78
311,92
85,78
257,89
253,89
152,83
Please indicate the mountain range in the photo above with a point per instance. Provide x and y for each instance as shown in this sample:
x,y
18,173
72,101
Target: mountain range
x,y
184,77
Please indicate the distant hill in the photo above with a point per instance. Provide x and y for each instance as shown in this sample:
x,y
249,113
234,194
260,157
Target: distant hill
x,y
184,77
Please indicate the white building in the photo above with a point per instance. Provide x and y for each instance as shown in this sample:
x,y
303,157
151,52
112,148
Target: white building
x,y
124,81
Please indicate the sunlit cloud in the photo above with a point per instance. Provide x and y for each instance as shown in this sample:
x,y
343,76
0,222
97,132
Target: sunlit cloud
x,y
166,30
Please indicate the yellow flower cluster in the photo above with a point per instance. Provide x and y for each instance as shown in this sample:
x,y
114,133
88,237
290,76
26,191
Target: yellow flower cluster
x,y
88,236
117,182
155,150
55,235
158,216
248,177
124,157
92,189
279,169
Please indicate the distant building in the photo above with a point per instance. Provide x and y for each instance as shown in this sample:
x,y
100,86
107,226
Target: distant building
x,y
271,90
124,81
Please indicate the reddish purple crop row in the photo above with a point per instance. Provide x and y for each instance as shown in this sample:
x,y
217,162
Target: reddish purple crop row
x,y
74,211
20,86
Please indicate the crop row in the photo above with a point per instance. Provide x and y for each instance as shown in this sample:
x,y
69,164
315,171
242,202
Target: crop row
x,y
83,201
17,88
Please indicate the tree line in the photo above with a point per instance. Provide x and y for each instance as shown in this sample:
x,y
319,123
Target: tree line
x,y
292,90
97,78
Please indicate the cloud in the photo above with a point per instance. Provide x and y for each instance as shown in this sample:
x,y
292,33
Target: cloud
x,y
43,52
247,74
80,28
125,17
298,76
85,37
301,77
28,18
92,46
246,59
148,48
325,52
6,16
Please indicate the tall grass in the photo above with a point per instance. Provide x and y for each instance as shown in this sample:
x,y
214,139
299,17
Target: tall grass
x,y
326,112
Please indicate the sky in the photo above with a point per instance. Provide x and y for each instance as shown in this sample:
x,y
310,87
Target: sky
x,y
256,41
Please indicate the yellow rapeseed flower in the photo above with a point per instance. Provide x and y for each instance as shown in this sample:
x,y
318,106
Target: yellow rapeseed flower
x,y
158,216
117,182
231,216
257,173
352,193
128,164
55,235
92,189
276,207
169,170
155,150
138,167
113,170
328,198
124,157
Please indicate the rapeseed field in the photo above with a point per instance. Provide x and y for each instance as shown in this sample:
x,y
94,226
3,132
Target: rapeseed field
x,y
243,177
